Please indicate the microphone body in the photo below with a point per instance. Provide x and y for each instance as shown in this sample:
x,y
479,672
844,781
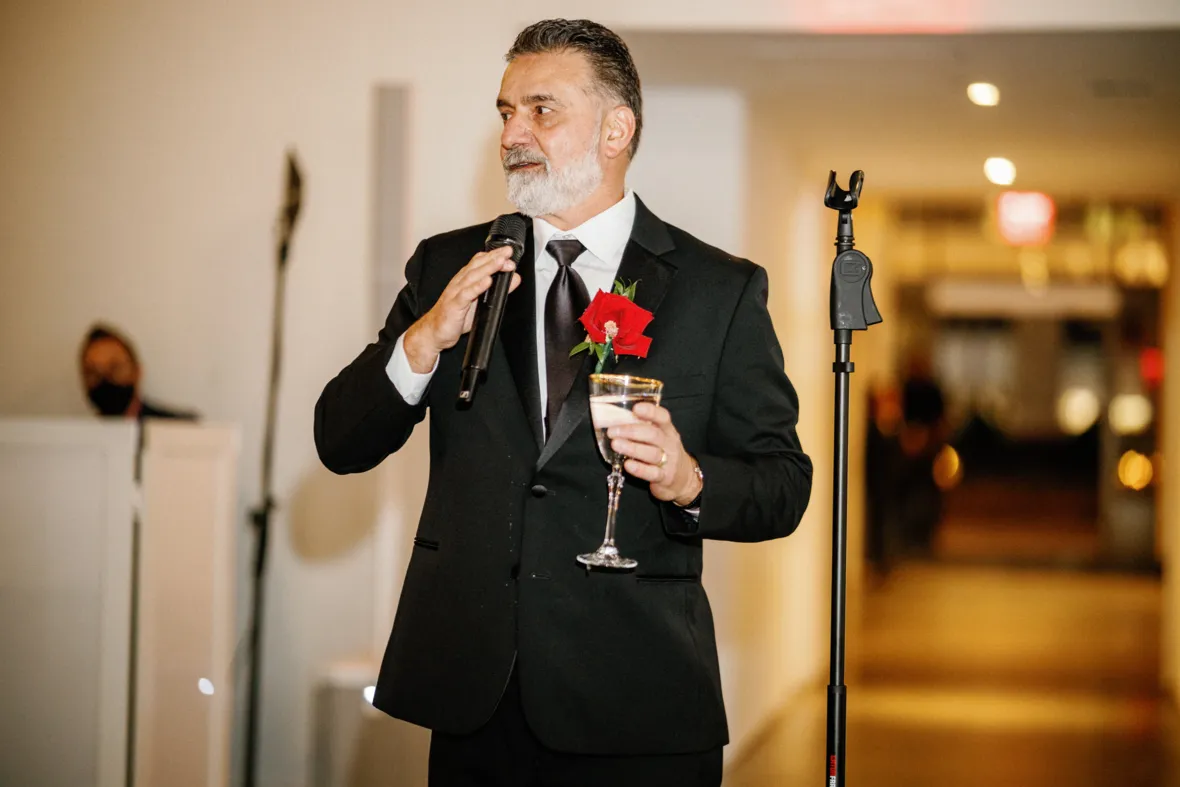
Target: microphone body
x,y
506,230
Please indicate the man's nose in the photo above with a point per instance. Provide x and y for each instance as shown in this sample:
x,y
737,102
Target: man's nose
x,y
516,133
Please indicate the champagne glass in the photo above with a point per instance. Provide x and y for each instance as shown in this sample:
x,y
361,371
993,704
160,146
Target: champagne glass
x,y
612,398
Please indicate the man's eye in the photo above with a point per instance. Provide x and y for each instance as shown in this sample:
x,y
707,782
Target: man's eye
x,y
543,110
504,116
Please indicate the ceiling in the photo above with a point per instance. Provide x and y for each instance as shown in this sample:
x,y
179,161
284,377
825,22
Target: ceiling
x,y
1082,114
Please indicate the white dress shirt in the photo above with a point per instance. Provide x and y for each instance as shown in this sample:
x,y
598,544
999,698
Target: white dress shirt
x,y
605,237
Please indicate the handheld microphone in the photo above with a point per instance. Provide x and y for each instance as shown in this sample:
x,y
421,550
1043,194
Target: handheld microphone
x,y
506,230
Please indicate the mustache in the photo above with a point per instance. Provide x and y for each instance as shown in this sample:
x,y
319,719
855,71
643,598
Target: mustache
x,y
516,157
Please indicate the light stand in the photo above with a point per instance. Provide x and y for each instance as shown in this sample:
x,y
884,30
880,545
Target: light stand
x,y
852,309
260,515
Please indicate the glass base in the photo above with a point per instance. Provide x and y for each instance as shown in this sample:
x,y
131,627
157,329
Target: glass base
x,y
607,557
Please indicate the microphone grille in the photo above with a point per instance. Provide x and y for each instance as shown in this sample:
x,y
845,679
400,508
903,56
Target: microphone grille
x,y
511,225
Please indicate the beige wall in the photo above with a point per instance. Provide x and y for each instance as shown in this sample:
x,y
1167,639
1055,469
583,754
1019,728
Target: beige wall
x,y
141,148
778,598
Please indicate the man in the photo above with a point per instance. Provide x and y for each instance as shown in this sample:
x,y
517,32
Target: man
x,y
530,669
111,375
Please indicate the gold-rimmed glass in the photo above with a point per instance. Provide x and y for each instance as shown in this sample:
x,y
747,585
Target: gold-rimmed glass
x,y
612,399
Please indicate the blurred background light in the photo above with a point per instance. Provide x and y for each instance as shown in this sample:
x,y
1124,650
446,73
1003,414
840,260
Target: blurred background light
x,y
1025,218
1142,262
984,94
1099,224
205,686
1034,269
1000,171
1130,414
948,468
1151,366
1135,470
1077,410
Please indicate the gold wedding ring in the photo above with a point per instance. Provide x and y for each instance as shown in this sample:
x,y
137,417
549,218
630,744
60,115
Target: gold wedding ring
x,y
663,457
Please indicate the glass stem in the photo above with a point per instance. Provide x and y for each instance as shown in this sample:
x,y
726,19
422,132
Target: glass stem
x,y
614,484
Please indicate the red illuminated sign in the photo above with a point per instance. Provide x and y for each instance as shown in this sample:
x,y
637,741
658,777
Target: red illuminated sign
x,y
1026,218
888,16
1151,366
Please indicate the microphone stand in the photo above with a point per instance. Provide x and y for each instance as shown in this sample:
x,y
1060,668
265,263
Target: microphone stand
x,y
852,309
260,515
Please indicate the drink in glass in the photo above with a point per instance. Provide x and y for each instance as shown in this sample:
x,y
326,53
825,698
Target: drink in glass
x,y
612,399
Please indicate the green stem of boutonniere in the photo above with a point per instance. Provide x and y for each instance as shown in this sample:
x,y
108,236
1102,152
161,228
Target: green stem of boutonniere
x,y
603,351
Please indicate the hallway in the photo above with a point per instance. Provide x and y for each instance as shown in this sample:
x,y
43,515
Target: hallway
x,y
976,676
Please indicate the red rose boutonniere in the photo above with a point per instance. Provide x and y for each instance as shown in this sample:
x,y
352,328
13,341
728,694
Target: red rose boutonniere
x,y
614,325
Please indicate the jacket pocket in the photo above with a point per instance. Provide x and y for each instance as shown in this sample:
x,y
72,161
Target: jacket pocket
x,y
426,544
668,578
684,387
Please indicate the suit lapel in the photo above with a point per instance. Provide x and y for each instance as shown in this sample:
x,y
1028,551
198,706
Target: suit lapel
x,y
519,337
575,408
641,262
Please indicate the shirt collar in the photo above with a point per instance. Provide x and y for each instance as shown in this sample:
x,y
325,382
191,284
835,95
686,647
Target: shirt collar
x,y
604,235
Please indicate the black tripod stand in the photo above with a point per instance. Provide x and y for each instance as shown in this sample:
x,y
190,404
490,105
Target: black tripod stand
x,y
852,309
260,515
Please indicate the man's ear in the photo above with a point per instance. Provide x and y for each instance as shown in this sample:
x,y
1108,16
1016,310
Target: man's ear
x,y
618,131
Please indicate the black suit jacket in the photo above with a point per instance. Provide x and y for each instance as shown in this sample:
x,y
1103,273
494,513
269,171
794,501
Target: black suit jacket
x,y
609,663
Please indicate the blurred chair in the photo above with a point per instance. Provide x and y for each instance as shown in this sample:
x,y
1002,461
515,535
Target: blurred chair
x,y
357,745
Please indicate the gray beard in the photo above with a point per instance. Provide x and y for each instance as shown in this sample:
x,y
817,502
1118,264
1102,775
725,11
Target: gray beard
x,y
549,192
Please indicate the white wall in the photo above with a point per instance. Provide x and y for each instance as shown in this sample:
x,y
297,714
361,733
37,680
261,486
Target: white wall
x,y
141,148
691,168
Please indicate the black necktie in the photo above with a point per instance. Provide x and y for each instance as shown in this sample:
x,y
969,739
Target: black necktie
x,y
564,304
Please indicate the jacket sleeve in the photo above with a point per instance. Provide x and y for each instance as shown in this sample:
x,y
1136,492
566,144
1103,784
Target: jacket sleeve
x,y
360,417
757,478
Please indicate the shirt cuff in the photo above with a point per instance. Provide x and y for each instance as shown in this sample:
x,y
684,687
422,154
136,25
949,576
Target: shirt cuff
x,y
411,385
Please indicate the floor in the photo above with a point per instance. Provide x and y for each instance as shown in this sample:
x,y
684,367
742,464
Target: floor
x,y
978,675
1020,521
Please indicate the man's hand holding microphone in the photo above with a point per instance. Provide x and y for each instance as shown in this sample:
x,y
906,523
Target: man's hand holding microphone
x,y
454,312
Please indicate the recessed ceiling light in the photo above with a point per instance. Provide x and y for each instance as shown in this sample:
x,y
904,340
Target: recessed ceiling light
x,y
1000,171
984,94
